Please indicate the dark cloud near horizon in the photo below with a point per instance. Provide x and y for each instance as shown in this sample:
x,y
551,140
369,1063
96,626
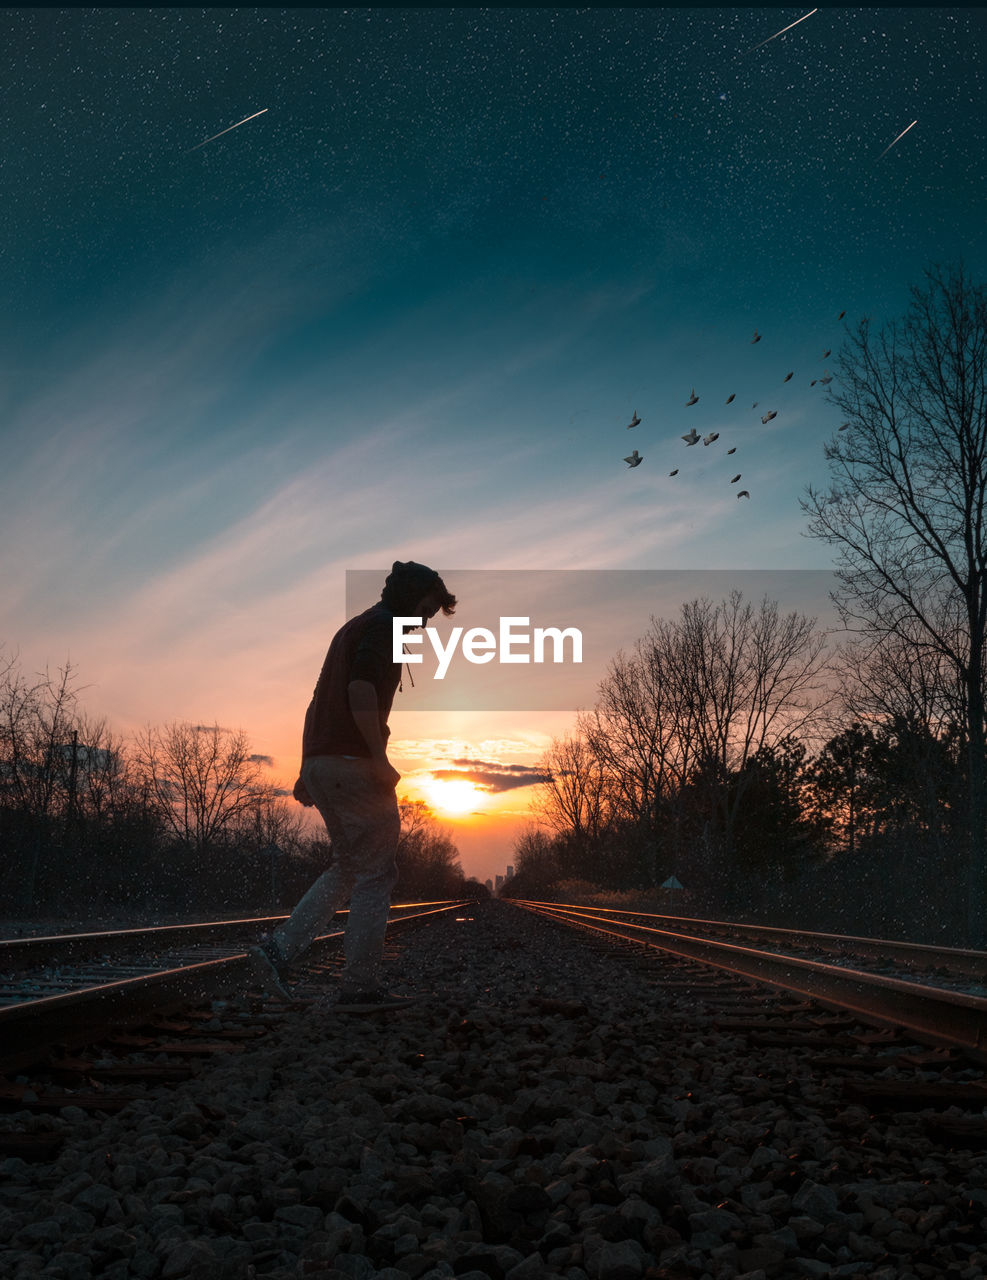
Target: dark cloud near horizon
x,y
496,766
267,761
492,776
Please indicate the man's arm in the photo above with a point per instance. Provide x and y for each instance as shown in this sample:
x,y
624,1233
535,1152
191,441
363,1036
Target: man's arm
x,y
363,704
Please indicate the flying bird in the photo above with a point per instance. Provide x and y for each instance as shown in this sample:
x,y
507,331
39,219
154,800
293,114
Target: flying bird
x,y
844,427
694,397
743,494
755,404
824,382
674,473
827,352
692,436
733,450
788,376
730,397
841,315
756,338
736,478
634,460
713,435
768,416
634,421
222,131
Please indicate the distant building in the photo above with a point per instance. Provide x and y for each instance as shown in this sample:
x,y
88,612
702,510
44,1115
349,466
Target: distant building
x,y
509,872
489,884
498,884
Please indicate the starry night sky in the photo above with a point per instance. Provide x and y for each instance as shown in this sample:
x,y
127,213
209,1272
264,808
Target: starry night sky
x,y
461,135
409,310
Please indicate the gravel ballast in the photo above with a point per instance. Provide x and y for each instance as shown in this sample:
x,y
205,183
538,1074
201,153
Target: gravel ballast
x,y
546,1110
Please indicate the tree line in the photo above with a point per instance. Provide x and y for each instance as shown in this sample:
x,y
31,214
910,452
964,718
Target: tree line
x,y
179,818
846,784
725,751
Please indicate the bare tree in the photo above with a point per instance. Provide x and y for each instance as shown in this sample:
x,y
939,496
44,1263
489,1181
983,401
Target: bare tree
x,y
883,678
202,778
427,857
99,771
907,507
416,816
269,821
574,797
752,680
36,725
682,715
536,865
752,677
58,771
635,730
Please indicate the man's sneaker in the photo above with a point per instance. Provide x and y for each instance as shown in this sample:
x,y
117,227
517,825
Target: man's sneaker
x,y
379,1001
265,967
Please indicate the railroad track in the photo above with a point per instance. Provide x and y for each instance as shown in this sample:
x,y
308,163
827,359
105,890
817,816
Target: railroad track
x,y
948,1012
562,1092
74,989
853,1031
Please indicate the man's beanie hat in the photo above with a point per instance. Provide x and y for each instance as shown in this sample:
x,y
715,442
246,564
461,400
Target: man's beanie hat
x,y
408,575
407,582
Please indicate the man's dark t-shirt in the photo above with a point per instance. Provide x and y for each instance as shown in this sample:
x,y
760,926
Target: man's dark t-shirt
x,y
360,650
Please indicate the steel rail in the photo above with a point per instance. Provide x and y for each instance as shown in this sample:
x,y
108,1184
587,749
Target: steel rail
x,y
932,1015
28,1029
27,951
959,961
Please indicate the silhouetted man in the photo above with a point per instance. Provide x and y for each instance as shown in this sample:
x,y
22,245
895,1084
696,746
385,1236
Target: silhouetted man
x,y
346,774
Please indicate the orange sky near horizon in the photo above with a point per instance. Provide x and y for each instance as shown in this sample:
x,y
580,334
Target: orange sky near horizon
x,y
423,743
201,663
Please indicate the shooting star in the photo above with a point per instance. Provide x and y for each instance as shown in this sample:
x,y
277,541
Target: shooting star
x,y
784,29
232,127
898,139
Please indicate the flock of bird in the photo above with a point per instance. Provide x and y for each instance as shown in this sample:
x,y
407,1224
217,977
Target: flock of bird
x,y
692,436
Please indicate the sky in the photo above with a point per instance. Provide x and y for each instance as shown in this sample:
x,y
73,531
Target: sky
x,y
291,293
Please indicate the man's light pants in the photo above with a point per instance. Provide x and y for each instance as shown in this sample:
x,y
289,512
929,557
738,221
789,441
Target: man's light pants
x,y
362,818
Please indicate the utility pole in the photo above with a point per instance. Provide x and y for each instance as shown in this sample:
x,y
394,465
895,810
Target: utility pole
x,y
73,775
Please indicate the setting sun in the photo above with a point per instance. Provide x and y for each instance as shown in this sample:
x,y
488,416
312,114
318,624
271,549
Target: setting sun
x,y
453,796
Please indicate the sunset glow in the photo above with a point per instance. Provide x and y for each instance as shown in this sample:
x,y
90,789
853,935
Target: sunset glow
x,y
276,351
453,796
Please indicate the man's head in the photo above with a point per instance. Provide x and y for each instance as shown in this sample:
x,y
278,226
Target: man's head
x,y
415,590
